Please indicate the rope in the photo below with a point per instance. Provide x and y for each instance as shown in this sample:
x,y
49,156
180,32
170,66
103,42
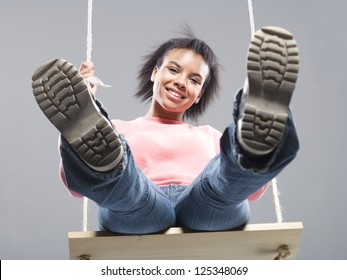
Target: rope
x,y
89,59
275,192
85,214
89,31
251,17
276,196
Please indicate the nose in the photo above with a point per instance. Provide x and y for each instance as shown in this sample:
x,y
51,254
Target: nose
x,y
180,82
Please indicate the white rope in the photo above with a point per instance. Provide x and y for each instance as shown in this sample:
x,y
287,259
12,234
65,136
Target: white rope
x,y
276,195
251,17
85,214
89,31
275,192
89,59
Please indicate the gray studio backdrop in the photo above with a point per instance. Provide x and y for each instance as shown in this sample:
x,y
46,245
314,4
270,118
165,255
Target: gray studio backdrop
x,y
36,212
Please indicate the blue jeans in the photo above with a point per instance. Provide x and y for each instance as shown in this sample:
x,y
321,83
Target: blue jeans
x,y
217,199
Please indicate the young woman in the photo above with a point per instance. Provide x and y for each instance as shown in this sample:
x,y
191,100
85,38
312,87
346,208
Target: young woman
x,y
158,171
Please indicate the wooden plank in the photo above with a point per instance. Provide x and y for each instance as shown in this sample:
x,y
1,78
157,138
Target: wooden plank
x,y
255,241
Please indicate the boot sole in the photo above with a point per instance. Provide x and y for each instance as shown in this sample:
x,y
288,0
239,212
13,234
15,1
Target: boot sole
x,y
63,97
272,66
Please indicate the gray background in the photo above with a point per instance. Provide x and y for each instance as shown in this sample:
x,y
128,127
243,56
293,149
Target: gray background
x,y
36,212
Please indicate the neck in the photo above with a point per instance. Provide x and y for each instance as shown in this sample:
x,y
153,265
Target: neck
x,y
160,112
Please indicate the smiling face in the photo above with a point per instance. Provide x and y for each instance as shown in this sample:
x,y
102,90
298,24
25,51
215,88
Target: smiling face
x,y
177,84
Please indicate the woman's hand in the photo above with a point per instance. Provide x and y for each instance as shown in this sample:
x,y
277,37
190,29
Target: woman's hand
x,y
87,70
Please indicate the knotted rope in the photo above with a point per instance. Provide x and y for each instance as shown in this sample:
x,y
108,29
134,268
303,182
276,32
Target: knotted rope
x,y
89,59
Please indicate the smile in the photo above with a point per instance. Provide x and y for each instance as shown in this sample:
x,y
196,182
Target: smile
x,y
175,94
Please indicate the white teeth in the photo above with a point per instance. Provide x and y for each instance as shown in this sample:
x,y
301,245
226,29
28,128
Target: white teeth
x,y
175,94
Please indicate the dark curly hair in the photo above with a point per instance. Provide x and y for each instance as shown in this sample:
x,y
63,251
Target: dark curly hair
x,y
211,86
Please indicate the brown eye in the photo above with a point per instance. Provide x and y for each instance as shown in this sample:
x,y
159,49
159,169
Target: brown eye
x,y
195,81
173,70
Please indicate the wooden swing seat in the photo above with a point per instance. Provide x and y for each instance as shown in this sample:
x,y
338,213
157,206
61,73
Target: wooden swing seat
x,y
254,242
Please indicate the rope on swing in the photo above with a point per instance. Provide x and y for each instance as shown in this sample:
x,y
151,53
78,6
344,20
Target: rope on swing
x,y
89,31
89,59
251,17
276,195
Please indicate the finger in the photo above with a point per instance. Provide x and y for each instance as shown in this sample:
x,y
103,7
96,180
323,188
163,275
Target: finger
x,y
87,70
87,65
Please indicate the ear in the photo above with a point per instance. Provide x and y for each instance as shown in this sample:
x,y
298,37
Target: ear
x,y
154,72
198,98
